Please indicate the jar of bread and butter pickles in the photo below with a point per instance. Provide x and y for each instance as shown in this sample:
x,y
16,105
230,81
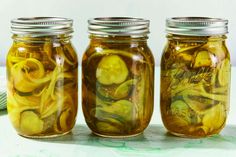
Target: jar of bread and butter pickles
x,y
195,76
118,77
42,78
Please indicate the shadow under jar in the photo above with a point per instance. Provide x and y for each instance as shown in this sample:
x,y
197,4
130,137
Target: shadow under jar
x,y
195,77
42,77
118,77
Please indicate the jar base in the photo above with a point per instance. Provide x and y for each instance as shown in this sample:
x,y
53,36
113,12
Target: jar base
x,y
45,136
189,136
116,136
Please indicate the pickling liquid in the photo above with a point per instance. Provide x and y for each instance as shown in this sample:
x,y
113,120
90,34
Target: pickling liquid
x,y
42,87
195,81
117,87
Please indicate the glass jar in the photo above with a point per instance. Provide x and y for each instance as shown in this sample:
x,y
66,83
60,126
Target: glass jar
x,y
118,77
42,77
195,76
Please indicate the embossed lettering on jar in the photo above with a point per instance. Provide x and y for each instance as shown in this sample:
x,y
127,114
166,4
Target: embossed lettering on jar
x,y
42,77
195,77
118,77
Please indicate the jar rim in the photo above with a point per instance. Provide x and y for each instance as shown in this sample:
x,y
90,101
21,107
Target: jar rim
x,y
42,26
196,26
118,26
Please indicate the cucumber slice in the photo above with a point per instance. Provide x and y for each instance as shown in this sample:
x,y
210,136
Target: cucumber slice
x,y
186,57
200,105
224,73
25,71
124,89
216,48
214,118
185,53
106,52
124,108
102,102
30,123
111,93
111,70
16,105
203,59
200,91
180,109
187,49
49,109
177,121
111,118
107,127
65,120
121,108
106,93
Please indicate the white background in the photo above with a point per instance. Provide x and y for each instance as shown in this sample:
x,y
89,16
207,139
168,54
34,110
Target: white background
x,y
80,10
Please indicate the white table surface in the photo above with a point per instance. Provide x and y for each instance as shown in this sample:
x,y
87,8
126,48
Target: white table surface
x,y
154,141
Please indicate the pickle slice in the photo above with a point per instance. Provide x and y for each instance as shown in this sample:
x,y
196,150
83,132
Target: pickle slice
x,y
122,108
187,49
111,70
224,73
180,109
185,56
215,48
185,53
214,118
200,91
177,121
113,119
106,127
110,93
105,92
196,105
64,120
30,123
105,52
124,89
24,71
203,59
50,108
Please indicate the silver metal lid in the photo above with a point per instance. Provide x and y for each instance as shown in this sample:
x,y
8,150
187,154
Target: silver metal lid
x,y
42,26
120,26
196,26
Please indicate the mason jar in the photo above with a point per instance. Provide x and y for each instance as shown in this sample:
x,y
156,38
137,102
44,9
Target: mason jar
x,y
195,76
42,78
118,77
